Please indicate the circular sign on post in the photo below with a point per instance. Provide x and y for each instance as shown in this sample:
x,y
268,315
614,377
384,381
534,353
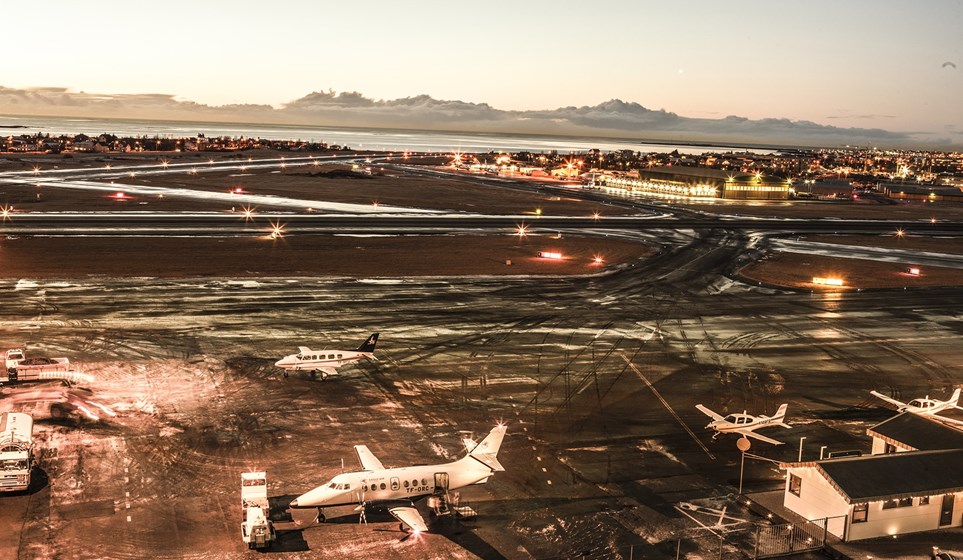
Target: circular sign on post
x,y
743,444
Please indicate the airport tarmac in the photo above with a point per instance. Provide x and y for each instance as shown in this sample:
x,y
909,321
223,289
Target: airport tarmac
x,y
597,378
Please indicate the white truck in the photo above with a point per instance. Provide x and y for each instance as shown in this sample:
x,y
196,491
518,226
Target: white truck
x,y
256,527
20,368
16,451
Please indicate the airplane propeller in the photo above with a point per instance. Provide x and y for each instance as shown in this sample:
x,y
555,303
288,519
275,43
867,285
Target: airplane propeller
x,y
361,508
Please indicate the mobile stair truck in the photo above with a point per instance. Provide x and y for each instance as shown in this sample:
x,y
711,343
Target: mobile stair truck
x,y
16,451
256,527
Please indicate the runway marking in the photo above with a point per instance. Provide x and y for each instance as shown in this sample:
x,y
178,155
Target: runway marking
x,y
666,405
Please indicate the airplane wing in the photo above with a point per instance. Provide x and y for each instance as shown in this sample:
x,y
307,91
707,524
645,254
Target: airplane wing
x,y
368,461
329,371
410,517
760,437
890,400
708,412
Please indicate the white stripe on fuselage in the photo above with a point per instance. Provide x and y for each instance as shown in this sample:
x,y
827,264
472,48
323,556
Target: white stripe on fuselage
x,y
367,485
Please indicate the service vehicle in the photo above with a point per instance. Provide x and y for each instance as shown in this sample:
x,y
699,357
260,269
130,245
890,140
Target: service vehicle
x,y
256,527
16,451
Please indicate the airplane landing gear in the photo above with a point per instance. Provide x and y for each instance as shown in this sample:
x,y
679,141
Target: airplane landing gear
x,y
320,518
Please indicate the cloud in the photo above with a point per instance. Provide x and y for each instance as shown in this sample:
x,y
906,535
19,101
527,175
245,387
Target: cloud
x,y
614,118
864,117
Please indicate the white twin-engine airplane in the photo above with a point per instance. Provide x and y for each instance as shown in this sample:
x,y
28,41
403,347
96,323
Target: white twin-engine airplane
x,y
397,489
326,362
922,406
745,424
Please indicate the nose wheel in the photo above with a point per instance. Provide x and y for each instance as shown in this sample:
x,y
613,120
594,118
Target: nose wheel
x,y
320,518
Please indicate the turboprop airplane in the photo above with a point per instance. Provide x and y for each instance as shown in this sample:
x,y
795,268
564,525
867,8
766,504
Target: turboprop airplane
x,y
397,489
922,406
745,424
326,361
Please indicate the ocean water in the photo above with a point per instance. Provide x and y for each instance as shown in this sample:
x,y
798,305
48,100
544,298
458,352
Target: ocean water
x,y
357,138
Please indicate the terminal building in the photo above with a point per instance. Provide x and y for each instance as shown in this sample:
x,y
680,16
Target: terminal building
x,y
699,182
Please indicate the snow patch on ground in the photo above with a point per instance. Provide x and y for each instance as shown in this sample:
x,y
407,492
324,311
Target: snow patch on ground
x,y
650,445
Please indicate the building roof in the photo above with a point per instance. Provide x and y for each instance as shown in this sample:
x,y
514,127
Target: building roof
x,y
917,432
681,172
874,478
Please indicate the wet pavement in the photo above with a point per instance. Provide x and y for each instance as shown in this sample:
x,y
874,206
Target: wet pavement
x,y
597,378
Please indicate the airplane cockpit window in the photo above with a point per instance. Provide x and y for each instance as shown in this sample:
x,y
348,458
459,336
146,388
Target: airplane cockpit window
x,y
918,403
299,357
731,418
333,485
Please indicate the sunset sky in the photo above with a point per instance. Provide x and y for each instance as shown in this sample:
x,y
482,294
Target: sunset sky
x,y
869,64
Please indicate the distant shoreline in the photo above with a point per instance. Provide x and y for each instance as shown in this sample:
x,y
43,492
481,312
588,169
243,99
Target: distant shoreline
x,y
381,139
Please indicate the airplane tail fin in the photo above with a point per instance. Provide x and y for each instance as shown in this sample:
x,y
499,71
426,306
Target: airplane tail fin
x,y
487,450
780,415
368,346
955,398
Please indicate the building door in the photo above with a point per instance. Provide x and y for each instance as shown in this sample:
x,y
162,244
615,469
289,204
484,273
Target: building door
x,y
946,510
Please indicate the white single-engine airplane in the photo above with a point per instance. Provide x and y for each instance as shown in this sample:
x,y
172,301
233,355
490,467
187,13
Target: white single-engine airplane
x,y
397,489
326,361
922,406
745,424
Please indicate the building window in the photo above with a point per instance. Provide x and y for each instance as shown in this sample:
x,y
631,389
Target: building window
x,y
890,448
905,502
860,513
795,484
925,501
890,504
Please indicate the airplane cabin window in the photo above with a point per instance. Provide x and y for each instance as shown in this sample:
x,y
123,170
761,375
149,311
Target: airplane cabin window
x,y
424,482
330,356
339,356
414,483
406,484
364,487
383,486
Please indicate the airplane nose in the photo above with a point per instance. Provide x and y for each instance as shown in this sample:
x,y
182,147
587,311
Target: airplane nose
x,y
294,503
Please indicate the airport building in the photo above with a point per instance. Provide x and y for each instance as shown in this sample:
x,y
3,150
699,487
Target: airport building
x,y
910,483
921,192
700,182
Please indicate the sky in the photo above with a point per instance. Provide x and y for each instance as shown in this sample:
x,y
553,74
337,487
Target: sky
x,y
869,64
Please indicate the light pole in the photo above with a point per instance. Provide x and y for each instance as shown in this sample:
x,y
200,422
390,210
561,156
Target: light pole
x,y
803,438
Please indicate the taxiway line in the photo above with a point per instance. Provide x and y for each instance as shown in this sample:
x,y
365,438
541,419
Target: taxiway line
x,y
666,405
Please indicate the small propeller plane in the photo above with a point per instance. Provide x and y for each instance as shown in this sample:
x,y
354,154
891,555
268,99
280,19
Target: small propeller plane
x,y
745,424
397,489
326,362
923,406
